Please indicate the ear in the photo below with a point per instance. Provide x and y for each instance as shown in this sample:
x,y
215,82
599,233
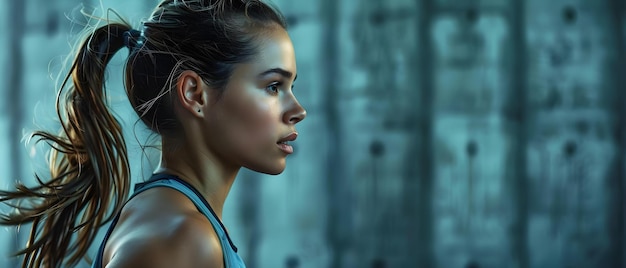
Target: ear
x,y
190,91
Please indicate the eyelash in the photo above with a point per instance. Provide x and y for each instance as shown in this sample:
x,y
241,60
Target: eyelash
x,y
277,85
273,85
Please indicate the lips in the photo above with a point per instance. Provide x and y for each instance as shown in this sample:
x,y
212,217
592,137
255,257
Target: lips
x,y
291,137
283,143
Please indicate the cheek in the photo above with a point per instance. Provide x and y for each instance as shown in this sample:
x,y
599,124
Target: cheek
x,y
264,120
257,119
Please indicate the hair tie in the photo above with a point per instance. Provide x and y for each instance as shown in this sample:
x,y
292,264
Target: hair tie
x,y
132,39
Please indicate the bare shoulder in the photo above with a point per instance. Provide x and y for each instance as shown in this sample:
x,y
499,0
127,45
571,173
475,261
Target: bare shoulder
x,y
168,233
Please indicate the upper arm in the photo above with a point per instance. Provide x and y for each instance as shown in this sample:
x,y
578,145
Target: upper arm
x,y
190,242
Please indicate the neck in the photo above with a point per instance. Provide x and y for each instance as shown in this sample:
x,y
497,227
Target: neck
x,y
201,169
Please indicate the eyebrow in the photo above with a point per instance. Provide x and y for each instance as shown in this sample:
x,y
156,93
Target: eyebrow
x,y
281,72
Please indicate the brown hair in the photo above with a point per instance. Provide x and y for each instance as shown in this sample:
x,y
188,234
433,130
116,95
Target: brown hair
x,y
89,179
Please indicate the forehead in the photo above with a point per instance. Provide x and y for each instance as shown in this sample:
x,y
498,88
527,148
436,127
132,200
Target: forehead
x,y
275,50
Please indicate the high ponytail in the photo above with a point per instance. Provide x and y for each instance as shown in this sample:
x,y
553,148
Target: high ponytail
x,y
89,179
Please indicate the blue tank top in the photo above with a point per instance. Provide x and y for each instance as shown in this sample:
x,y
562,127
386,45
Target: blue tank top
x,y
231,258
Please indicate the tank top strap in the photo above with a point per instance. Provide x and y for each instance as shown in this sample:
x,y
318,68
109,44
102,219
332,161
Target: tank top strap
x,y
229,250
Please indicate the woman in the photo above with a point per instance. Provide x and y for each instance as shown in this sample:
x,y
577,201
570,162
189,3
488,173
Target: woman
x,y
214,78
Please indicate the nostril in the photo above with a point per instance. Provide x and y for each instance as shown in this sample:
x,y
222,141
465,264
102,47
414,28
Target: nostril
x,y
297,117
294,115
295,120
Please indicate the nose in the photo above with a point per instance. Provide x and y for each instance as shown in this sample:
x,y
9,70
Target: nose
x,y
295,114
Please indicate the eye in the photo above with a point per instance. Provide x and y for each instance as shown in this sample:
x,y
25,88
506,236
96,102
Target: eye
x,y
273,88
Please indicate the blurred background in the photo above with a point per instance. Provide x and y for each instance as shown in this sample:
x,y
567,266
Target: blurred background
x,y
440,133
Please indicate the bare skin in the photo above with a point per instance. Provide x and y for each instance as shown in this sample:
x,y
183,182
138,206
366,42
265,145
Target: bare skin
x,y
242,127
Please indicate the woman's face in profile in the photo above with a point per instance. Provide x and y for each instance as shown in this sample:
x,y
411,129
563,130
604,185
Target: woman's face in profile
x,y
257,112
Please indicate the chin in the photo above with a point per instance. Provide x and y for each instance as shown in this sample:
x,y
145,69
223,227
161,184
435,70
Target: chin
x,y
274,172
269,169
